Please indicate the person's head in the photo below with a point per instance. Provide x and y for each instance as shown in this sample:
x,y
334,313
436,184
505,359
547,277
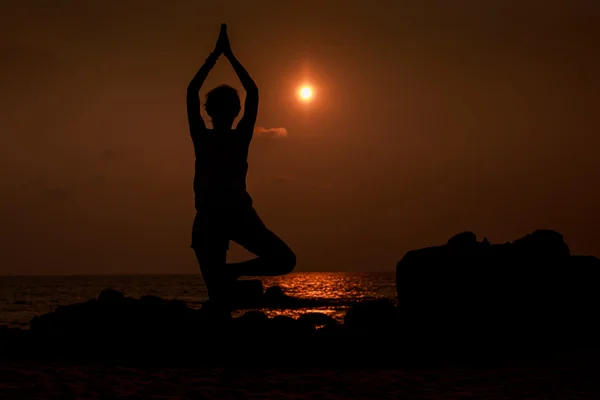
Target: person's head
x,y
222,105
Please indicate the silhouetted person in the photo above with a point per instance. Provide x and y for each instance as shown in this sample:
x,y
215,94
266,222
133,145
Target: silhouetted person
x,y
224,209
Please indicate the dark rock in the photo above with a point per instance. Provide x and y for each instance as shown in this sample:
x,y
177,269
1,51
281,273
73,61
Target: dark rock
x,y
257,324
284,324
10,334
14,341
464,239
252,324
317,319
284,320
286,327
521,291
247,294
110,296
275,298
152,301
373,317
253,316
334,330
541,244
177,305
274,292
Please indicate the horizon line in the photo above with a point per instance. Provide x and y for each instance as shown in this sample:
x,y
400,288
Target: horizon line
x,y
181,274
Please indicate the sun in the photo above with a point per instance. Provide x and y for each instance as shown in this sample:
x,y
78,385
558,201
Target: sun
x,y
306,92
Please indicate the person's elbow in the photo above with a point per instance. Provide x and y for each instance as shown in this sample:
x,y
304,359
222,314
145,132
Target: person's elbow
x,y
192,96
192,89
252,90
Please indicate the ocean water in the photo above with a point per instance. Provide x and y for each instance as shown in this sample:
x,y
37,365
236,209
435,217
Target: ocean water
x,y
23,297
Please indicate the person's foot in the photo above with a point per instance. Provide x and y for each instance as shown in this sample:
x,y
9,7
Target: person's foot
x,y
225,286
230,275
229,278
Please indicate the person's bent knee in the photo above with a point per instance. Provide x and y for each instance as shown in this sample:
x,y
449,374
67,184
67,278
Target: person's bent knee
x,y
286,262
291,262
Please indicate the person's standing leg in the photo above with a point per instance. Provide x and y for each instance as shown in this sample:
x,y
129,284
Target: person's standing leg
x,y
210,245
212,262
274,256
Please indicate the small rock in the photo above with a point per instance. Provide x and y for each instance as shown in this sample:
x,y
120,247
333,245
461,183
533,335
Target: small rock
x,y
110,296
247,293
317,319
152,301
253,316
372,316
274,292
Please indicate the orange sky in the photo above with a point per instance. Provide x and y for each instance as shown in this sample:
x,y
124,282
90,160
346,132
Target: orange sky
x,y
428,121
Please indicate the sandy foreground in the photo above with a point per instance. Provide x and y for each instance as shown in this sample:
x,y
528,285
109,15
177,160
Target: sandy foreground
x,y
561,379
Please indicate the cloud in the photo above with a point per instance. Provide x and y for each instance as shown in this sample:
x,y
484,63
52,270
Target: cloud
x,y
270,133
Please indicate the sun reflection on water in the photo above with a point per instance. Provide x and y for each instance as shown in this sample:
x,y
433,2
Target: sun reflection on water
x,y
336,291
22,297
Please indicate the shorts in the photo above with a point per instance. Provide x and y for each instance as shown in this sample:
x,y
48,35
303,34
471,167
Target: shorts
x,y
214,229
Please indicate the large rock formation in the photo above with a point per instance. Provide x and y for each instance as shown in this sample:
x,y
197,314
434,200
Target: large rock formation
x,y
528,291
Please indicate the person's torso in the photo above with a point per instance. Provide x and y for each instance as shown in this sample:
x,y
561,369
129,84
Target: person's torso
x,y
221,169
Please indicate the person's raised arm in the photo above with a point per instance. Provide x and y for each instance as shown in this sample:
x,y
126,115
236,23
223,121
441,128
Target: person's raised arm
x,y
195,120
247,122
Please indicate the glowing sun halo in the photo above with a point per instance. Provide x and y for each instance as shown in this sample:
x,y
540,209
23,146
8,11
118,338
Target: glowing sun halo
x,y
306,93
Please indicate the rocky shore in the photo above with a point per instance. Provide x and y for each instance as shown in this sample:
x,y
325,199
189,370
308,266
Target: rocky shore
x,y
464,300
